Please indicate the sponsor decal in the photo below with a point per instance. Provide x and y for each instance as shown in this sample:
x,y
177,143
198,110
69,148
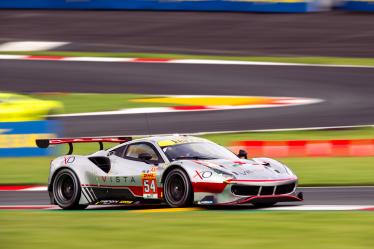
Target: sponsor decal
x,y
152,170
149,186
113,202
208,164
203,174
207,200
243,173
238,163
69,159
118,179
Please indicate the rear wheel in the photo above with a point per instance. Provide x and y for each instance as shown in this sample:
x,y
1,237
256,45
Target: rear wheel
x,y
177,189
67,190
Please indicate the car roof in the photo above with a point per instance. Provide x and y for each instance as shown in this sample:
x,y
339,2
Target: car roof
x,y
166,140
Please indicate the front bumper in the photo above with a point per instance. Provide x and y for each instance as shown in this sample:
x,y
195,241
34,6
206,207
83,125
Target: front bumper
x,y
268,199
233,193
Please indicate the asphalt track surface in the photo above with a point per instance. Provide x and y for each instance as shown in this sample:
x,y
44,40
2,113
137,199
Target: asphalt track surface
x,y
348,94
336,33
312,196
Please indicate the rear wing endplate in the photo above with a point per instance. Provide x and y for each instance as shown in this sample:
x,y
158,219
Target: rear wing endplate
x,y
45,143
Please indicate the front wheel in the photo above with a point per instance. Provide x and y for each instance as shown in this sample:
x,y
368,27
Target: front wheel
x,y
67,190
177,189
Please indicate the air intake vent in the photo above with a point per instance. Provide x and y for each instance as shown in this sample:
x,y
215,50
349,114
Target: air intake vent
x,y
102,162
267,190
285,189
245,190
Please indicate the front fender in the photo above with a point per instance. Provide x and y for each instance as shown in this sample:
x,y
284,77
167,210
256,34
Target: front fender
x,y
275,164
201,171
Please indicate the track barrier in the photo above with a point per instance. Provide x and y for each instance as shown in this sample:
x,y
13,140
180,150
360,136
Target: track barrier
x,y
307,148
17,139
357,5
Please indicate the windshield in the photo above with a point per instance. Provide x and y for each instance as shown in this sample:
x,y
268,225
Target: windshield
x,y
199,150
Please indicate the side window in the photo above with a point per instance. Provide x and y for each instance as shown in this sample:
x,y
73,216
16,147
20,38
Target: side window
x,y
134,150
119,151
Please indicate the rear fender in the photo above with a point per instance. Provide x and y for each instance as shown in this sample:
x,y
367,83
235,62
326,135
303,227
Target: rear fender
x,y
81,166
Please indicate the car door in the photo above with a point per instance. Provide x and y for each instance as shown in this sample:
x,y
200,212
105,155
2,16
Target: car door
x,y
129,176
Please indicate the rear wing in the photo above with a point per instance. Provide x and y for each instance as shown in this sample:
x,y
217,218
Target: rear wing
x,y
44,143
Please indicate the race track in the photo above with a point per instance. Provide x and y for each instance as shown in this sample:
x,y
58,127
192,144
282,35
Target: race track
x,y
333,33
313,196
347,94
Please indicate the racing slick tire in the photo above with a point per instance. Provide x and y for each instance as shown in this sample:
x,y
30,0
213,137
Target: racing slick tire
x,y
178,190
67,190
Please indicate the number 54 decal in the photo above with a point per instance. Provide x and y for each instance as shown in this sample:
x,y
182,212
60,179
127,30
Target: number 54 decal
x,y
149,186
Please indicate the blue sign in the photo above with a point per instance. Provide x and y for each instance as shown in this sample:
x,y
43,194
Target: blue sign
x,y
17,139
291,6
365,6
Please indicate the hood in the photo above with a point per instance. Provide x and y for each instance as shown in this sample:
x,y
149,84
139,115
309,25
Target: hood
x,y
249,169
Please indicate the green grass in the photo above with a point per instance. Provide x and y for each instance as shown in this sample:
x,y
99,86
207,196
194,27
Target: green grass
x,y
95,102
334,171
307,60
196,229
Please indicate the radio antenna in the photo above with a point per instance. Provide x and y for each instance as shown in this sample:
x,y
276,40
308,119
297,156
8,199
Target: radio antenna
x,y
147,122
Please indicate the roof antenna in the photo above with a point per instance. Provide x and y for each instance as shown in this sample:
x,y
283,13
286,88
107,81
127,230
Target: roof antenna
x,y
147,122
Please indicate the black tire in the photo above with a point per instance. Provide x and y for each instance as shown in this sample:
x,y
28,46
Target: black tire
x,y
177,189
67,190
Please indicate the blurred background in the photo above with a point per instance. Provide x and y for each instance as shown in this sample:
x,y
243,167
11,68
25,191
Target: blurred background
x,y
288,79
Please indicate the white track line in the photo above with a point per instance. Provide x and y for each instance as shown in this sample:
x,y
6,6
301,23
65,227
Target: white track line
x,y
276,208
285,129
175,61
288,101
319,208
39,188
31,45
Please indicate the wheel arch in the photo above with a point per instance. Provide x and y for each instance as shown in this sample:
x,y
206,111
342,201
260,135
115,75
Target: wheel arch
x,y
50,185
170,168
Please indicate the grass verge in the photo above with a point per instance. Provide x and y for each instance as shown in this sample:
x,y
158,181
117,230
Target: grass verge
x,y
285,59
197,229
311,171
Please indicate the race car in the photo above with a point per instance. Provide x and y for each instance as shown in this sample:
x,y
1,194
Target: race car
x,y
178,170
17,107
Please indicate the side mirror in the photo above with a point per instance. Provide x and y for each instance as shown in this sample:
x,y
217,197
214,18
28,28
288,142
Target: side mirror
x,y
242,154
145,156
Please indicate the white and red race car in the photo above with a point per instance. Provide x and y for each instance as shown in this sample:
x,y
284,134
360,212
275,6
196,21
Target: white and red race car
x,y
179,170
